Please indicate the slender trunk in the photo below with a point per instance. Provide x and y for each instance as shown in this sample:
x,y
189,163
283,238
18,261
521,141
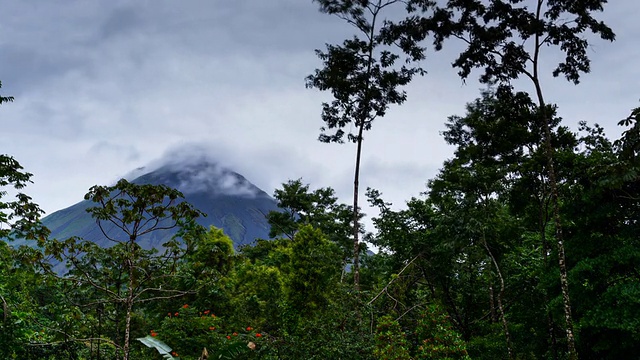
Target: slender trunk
x,y
492,305
116,321
553,342
356,179
99,329
127,329
129,302
564,280
455,315
356,215
5,309
549,152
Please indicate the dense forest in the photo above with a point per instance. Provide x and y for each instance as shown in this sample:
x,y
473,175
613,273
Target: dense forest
x,y
524,245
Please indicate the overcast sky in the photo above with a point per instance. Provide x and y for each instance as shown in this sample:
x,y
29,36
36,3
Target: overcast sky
x,y
104,87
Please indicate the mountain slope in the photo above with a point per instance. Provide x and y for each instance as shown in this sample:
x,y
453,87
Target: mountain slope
x,y
230,201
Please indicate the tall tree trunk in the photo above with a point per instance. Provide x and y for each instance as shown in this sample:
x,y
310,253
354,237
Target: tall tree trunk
x,y
549,152
127,329
492,305
542,224
564,280
129,302
356,214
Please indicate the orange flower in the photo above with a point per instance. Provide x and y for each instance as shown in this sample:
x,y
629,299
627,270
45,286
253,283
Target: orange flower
x,y
206,312
213,315
235,334
176,314
185,306
258,335
249,328
228,337
212,327
154,334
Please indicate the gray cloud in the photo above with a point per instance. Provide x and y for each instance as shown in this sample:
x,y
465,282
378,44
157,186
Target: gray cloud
x,y
199,170
120,22
105,87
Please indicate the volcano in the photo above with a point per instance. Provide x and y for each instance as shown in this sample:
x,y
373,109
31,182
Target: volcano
x,y
229,200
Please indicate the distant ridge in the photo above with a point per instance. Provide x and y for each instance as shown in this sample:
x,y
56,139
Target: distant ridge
x,y
230,201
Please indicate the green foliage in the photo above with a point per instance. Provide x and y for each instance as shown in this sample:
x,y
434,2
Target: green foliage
x,y
391,342
22,323
364,78
466,269
497,34
211,256
291,289
437,338
19,218
319,208
313,267
189,331
336,332
139,209
123,275
34,320
361,74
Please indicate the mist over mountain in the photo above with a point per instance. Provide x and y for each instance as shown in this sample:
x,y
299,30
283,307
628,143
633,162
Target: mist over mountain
x,y
230,201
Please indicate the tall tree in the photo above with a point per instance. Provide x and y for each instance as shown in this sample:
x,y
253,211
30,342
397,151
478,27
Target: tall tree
x,y
126,274
363,76
319,208
19,218
20,281
497,166
474,243
505,38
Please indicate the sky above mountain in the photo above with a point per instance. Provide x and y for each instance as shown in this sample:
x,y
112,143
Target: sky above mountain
x,y
103,87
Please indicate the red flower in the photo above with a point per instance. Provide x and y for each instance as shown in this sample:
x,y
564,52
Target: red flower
x,y
212,327
249,328
258,335
206,312
235,334
228,337
176,314
185,306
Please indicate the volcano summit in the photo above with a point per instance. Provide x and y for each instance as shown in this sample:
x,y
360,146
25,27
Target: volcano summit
x,y
230,201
